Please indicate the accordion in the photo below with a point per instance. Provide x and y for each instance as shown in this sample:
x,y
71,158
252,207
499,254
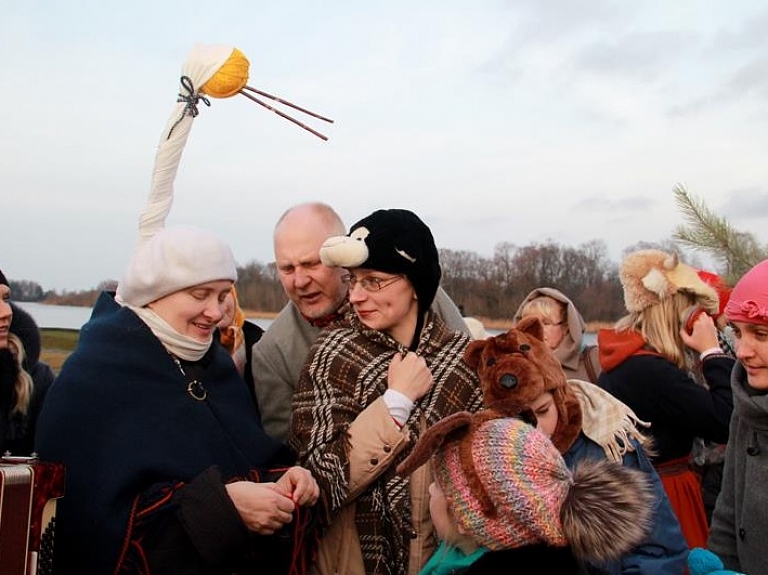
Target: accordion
x,y
28,492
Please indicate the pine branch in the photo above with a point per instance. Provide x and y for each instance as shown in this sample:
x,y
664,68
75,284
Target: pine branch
x,y
708,232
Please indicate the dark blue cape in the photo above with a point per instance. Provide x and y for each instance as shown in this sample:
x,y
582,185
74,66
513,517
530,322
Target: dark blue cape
x,y
119,417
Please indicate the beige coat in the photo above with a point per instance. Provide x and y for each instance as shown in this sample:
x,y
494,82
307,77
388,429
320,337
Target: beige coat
x,y
370,453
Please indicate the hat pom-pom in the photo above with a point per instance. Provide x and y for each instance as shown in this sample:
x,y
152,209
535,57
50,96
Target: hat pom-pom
x,y
608,510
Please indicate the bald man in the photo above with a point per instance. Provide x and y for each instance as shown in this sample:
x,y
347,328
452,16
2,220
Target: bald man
x,y
318,296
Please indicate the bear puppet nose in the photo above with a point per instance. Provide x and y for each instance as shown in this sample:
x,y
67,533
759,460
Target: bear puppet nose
x,y
508,381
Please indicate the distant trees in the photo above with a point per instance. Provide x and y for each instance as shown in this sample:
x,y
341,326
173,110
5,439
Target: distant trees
x,y
258,287
25,290
495,287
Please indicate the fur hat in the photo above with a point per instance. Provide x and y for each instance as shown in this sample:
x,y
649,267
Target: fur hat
x,y
601,509
174,258
391,241
26,329
650,276
749,298
3,280
516,367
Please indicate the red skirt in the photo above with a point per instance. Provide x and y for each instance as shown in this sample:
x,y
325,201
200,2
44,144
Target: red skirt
x,y
683,489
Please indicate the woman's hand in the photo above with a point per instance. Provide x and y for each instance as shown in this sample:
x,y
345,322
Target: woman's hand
x,y
703,336
263,507
298,484
409,375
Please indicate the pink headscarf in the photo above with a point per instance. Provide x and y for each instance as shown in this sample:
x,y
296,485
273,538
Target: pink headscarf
x,y
749,298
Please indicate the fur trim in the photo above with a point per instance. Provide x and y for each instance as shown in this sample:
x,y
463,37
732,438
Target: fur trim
x,y
608,510
649,276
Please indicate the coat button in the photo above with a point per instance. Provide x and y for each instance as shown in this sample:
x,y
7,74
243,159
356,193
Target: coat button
x,y
387,448
374,461
742,533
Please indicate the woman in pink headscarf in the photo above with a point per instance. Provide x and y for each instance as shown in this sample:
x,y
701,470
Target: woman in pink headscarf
x,y
741,513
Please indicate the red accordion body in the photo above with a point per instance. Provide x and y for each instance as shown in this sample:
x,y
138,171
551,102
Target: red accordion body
x,y
28,492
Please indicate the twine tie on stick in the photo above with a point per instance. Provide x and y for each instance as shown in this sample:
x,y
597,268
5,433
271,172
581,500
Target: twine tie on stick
x,y
191,98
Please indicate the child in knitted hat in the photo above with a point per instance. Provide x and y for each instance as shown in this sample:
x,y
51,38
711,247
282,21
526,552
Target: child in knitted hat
x,y
645,360
541,513
518,371
741,512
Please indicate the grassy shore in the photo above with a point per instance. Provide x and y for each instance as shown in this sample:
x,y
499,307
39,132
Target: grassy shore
x,y
57,344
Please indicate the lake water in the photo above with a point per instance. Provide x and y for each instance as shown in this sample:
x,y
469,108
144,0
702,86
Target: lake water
x,y
73,317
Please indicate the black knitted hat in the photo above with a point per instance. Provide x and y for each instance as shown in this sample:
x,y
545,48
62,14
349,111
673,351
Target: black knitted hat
x,y
393,241
3,281
26,329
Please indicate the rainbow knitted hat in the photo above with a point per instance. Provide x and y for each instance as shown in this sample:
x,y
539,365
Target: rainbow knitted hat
x,y
601,509
523,474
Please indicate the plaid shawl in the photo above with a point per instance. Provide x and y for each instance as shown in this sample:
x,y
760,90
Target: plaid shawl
x,y
346,372
607,421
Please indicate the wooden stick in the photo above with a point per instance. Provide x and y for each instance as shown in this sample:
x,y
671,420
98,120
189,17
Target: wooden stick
x,y
284,115
287,103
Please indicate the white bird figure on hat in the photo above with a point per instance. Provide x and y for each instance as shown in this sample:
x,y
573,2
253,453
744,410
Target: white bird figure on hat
x,y
217,71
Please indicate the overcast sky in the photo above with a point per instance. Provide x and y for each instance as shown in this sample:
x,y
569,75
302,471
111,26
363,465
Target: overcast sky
x,y
495,121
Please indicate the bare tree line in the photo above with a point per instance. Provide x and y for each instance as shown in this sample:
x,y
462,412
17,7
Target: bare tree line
x,y
489,287
493,287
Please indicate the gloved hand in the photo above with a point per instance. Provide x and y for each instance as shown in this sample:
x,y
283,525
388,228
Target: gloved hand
x,y
704,562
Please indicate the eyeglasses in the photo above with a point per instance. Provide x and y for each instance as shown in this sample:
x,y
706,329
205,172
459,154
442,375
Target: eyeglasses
x,y
370,283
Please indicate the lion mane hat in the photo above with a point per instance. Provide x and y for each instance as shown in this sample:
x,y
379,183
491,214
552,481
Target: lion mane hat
x,y
650,276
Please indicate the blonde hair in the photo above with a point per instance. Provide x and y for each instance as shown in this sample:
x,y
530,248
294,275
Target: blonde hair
x,y
24,384
547,308
660,324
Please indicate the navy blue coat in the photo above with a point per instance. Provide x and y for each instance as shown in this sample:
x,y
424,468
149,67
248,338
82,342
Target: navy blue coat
x,y
120,418
665,551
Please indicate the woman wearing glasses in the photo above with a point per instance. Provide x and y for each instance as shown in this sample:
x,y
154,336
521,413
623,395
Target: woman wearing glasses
x,y
563,332
369,388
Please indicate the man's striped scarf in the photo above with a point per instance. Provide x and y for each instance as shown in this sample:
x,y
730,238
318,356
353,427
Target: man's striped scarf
x,y
346,372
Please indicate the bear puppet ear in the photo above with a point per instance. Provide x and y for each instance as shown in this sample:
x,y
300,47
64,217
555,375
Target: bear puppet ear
x,y
432,439
532,326
474,352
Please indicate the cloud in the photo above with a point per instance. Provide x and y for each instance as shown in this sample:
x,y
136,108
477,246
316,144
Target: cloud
x,y
746,204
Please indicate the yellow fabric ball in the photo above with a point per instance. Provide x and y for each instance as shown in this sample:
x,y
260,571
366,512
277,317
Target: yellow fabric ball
x,y
230,78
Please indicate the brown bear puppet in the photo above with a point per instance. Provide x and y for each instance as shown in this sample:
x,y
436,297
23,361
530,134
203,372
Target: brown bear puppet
x,y
514,368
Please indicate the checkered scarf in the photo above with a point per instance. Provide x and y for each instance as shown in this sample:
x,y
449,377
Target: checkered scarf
x,y
347,371
606,420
